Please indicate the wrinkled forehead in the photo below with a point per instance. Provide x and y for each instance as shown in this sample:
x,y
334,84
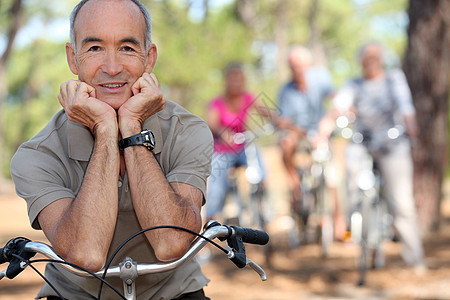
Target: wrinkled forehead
x,y
97,15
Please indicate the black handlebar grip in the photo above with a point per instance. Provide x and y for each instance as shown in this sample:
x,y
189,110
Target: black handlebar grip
x,y
3,259
17,246
252,236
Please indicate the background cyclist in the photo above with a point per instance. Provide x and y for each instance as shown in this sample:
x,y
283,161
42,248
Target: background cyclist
x,y
381,99
228,114
301,105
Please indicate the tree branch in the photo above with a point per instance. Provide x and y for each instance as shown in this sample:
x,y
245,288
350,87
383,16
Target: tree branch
x,y
16,13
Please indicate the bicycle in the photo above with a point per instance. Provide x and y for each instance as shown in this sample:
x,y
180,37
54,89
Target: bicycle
x,y
313,210
370,222
254,175
256,205
18,252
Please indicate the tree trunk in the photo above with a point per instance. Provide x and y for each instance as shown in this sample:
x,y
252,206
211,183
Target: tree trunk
x,y
281,40
426,65
315,39
16,16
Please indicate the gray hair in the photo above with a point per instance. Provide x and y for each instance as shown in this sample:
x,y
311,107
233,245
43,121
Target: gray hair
x,y
142,8
362,50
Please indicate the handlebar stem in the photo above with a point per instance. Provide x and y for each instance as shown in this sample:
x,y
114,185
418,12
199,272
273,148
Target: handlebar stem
x,y
128,270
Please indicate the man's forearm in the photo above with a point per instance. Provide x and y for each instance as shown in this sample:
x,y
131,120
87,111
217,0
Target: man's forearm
x,y
157,203
84,231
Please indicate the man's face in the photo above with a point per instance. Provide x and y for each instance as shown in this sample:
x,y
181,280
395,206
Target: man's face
x,y
298,68
110,44
371,61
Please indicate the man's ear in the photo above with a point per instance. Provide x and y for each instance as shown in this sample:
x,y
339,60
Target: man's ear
x,y
151,58
71,59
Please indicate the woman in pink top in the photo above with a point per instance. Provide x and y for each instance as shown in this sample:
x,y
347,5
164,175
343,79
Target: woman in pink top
x,y
228,115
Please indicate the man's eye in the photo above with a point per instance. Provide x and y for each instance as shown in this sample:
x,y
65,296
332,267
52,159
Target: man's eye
x,y
127,49
94,49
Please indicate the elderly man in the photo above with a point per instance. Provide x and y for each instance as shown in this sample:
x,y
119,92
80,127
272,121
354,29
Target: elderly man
x,y
301,105
88,178
381,100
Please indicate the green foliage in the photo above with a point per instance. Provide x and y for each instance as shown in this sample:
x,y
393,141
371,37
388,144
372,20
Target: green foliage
x,y
192,53
33,77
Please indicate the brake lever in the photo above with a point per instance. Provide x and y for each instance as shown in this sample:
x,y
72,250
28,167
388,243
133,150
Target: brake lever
x,y
248,262
257,269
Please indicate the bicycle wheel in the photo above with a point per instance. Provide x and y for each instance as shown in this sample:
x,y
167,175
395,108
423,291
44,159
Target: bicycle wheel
x,y
372,236
296,210
260,217
378,233
304,207
233,207
324,212
364,249
258,208
326,234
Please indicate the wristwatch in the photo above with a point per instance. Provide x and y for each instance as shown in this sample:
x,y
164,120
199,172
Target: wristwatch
x,y
144,138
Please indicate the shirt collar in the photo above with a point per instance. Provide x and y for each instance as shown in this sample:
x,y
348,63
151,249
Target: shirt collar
x,y
81,141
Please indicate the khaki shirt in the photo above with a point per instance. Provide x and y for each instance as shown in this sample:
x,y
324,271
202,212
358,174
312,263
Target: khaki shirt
x,y
52,164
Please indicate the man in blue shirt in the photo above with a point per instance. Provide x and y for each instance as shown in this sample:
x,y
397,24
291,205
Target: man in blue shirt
x,y
301,109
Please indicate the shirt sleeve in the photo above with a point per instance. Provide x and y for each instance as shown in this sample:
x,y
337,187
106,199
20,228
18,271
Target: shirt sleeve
x,y
191,156
401,92
327,83
344,98
214,104
41,180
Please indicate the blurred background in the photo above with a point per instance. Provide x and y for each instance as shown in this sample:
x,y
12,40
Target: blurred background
x,y
197,38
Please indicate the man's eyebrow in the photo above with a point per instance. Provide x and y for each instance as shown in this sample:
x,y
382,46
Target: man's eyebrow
x,y
90,39
131,40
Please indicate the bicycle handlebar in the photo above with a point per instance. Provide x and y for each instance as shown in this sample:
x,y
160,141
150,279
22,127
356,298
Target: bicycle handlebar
x,y
234,235
252,236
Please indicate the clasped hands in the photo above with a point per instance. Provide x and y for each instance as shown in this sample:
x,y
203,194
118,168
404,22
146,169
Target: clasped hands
x,y
81,106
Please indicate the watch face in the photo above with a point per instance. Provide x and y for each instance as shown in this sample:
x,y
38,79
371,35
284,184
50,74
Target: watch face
x,y
149,139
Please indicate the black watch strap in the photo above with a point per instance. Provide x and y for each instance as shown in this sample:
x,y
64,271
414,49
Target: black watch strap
x,y
144,138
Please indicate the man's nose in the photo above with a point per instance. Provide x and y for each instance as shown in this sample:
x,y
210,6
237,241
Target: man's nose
x,y
112,64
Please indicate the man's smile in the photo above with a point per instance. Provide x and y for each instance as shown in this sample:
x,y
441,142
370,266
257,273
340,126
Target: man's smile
x,y
112,85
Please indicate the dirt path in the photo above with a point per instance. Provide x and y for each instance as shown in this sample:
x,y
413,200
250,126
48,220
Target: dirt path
x,y
303,274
